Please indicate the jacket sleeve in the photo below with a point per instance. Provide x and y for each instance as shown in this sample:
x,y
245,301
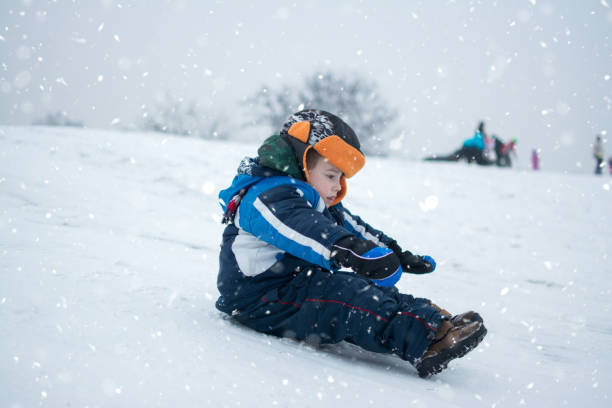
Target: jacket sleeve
x,y
290,217
362,229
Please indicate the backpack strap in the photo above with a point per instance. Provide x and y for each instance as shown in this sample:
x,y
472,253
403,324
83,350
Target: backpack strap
x,y
232,206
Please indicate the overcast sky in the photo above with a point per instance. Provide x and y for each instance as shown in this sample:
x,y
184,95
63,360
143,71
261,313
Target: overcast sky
x,y
539,71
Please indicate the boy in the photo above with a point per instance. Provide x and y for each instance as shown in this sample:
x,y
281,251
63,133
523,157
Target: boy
x,y
288,235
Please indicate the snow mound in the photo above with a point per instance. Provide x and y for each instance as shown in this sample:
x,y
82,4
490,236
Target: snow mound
x,y
109,245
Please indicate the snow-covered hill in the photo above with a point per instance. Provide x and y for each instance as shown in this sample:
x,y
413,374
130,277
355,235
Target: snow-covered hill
x,y
108,262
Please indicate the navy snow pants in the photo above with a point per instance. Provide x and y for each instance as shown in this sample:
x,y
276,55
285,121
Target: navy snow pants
x,y
321,307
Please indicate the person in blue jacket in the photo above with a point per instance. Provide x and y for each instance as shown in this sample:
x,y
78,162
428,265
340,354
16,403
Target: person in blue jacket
x,y
472,149
296,263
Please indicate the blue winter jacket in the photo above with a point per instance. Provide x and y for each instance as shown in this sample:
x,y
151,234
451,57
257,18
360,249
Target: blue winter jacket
x,y
280,228
476,141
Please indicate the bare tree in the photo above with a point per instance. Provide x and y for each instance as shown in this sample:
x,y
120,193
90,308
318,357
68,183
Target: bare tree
x,y
59,118
273,107
353,98
186,118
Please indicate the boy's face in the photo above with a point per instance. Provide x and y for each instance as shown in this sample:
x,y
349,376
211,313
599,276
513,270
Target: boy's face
x,y
325,178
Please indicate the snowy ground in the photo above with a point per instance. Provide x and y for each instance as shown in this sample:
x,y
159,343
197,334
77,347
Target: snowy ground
x,y
108,262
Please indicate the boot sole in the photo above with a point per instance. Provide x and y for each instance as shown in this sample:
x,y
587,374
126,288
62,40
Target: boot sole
x,y
439,362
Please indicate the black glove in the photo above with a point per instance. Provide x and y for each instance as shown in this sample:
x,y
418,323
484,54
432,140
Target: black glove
x,y
411,263
365,258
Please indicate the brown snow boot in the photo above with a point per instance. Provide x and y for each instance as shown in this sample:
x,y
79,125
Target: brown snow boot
x,y
450,342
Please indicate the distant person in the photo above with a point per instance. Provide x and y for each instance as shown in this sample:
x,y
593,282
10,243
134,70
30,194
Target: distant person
x,y
598,154
498,147
535,160
509,150
472,149
610,165
503,151
288,235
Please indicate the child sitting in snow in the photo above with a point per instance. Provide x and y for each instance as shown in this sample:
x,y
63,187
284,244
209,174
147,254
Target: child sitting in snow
x,y
288,235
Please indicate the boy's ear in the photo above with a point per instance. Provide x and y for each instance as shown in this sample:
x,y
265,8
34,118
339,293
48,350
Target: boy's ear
x,y
300,130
